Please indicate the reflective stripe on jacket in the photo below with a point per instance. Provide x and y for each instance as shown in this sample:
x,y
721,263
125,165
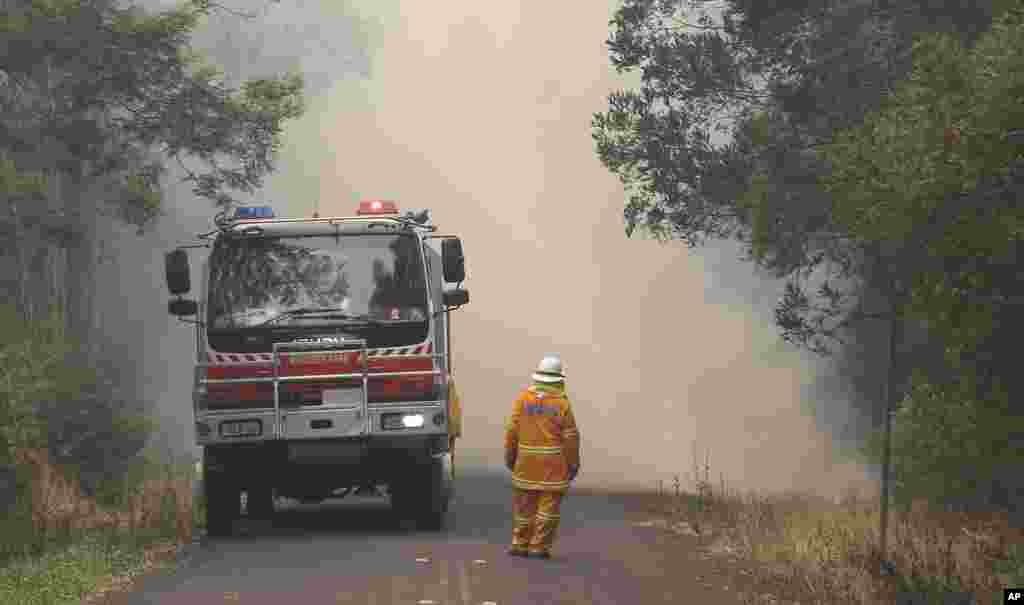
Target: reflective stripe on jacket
x,y
542,438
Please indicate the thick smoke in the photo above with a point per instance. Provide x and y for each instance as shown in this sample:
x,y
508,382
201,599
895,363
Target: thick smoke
x,y
481,112
326,44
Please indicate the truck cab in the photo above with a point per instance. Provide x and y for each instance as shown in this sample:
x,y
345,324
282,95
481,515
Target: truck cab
x,y
322,358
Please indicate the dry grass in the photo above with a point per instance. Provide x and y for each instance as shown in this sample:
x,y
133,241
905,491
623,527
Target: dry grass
x,y
57,503
810,549
60,546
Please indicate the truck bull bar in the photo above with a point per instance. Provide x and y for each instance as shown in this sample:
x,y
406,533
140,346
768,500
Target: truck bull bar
x,y
301,349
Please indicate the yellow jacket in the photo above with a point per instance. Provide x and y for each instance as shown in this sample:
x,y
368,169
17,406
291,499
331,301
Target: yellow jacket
x,y
542,440
454,411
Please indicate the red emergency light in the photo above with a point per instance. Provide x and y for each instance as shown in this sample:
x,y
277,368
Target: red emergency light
x,y
377,207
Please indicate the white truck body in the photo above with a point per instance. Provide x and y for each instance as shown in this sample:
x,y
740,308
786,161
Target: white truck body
x,y
300,401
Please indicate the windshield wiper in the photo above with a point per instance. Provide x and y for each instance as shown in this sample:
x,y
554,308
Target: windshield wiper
x,y
325,312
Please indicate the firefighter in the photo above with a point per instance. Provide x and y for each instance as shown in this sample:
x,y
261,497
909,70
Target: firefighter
x,y
542,449
454,419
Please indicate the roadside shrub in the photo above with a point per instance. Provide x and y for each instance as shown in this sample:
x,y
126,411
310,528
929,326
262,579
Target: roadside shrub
x,y
33,368
60,420
816,550
951,447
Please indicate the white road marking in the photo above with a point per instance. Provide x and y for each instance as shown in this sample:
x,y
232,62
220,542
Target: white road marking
x,y
400,589
480,562
422,560
464,585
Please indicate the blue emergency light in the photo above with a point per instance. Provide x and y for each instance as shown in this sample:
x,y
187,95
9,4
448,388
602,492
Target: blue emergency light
x,y
251,212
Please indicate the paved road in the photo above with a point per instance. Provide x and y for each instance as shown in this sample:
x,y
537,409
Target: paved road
x,y
356,551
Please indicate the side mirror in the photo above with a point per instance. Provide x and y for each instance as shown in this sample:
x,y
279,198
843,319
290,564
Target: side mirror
x,y
176,265
455,298
182,307
453,260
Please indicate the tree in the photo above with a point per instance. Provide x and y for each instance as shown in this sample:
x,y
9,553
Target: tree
x,y
110,94
777,80
96,99
953,447
159,95
934,170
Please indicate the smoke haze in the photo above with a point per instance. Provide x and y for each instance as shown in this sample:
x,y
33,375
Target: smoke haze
x,y
481,112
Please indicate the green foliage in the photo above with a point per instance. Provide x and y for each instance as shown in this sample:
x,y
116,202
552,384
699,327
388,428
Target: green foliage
x,y
32,368
122,87
868,164
115,488
947,444
66,576
934,588
1013,566
754,200
48,401
775,80
907,176
760,129
782,80
62,567
17,185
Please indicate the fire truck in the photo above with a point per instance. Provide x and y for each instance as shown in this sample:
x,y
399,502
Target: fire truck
x,y
323,355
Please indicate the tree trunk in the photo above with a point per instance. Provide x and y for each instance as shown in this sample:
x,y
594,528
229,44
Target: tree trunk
x,y
38,284
21,294
81,256
52,273
21,261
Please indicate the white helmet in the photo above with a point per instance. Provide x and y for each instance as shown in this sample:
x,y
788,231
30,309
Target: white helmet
x,y
549,369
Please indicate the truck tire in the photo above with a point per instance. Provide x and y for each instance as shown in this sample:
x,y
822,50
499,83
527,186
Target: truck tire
x,y
422,496
260,503
400,492
223,503
433,497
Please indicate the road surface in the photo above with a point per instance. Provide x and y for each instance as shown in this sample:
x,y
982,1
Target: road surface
x,y
355,551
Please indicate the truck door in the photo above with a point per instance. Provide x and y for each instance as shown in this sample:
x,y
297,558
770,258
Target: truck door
x,y
432,250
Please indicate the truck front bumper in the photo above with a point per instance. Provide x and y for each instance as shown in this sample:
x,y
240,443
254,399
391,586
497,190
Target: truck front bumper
x,y
318,423
310,466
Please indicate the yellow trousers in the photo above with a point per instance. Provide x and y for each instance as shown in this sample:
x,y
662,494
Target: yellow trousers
x,y
536,519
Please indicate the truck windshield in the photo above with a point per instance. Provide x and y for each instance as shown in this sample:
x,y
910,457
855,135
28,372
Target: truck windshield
x,y
311,280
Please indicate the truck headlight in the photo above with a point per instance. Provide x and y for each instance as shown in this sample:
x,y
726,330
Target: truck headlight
x,y
391,422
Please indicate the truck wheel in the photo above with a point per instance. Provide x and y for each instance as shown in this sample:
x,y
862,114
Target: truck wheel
x,y
421,496
401,496
260,503
433,497
222,504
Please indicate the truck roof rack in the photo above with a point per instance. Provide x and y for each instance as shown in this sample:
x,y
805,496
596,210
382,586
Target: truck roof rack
x,y
419,219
